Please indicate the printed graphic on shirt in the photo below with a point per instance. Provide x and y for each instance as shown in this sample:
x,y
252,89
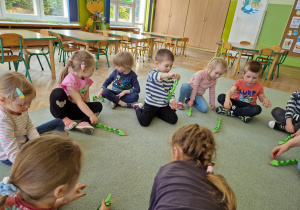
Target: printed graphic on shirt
x,y
82,91
124,84
246,96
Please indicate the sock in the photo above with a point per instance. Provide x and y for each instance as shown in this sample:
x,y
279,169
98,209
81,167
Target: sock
x,y
122,103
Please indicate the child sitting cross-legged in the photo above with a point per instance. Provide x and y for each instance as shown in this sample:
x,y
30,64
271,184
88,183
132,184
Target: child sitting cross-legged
x,y
240,100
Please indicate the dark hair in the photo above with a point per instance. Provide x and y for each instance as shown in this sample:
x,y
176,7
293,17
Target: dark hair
x,y
164,54
253,66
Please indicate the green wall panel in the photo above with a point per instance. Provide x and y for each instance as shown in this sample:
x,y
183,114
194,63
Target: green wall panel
x,y
229,20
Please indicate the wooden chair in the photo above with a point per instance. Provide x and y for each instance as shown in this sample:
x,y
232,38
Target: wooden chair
x,y
225,53
145,48
37,52
169,42
265,62
182,45
125,44
248,54
8,51
281,61
13,40
100,49
105,33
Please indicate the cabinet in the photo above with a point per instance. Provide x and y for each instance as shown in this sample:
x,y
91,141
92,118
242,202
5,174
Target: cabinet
x,y
200,20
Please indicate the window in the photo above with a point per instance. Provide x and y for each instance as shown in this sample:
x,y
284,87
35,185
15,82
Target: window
x,y
127,12
34,10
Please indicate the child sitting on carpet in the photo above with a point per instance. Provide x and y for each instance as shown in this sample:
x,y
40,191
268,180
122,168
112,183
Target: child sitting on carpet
x,y
159,83
125,86
288,120
16,128
192,92
278,150
44,180
240,100
72,100
188,182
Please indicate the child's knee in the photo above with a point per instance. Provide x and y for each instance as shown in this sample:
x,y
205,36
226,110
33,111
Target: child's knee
x,y
97,107
60,124
58,94
276,111
173,120
135,97
105,93
221,98
257,110
203,109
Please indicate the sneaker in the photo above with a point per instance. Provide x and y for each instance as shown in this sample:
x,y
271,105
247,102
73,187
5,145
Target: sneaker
x,y
223,111
85,127
277,126
245,119
180,105
130,105
69,124
113,105
138,106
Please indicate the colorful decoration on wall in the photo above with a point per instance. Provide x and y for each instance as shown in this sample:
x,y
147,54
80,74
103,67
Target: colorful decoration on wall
x,y
97,19
287,44
251,6
290,32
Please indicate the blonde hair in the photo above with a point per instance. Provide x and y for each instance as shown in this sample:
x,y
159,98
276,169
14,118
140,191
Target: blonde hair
x,y
124,59
9,82
198,143
43,164
79,57
253,66
214,62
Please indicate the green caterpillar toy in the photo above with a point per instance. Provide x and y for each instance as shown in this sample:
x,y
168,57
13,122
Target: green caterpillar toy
x,y
189,112
283,162
172,89
285,140
108,201
95,98
218,125
110,129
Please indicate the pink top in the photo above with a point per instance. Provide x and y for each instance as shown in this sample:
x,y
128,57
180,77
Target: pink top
x,y
247,94
19,203
14,132
200,83
80,85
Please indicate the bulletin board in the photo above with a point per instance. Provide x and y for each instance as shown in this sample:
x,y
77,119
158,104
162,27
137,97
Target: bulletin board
x,y
291,37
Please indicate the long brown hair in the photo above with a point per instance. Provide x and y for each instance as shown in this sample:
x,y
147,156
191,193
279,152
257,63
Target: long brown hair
x,y
198,143
75,62
43,164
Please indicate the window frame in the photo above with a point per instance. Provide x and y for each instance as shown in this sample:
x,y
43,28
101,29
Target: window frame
x,y
39,16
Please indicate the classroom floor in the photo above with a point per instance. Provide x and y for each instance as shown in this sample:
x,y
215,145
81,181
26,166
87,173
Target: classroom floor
x,y
195,60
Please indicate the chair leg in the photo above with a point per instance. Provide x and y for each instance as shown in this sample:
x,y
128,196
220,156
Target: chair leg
x,y
97,59
107,59
27,72
48,62
267,71
40,62
277,70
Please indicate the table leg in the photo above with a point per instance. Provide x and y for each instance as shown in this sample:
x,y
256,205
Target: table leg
x,y
237,62
135,48
116,46
276,57
51,55
87,48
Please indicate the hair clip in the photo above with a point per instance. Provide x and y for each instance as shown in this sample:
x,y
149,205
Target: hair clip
x,y
209,169
77,51
68,66
82,65
6,188
21,95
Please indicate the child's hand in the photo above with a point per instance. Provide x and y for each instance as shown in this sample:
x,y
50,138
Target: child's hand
x,y
73,195
174,75
227,104
103,207
123,93
290,128
100,93
212,107
266,103
94,119
173,104
277,151
296,134
190,103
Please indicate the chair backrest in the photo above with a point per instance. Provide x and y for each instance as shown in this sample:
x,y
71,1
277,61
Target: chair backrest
x,y
227,46
136,32
147,35
44,31
11,40
245,43
185,39
102,43
125,38
105,33
266,52
275,48
168,39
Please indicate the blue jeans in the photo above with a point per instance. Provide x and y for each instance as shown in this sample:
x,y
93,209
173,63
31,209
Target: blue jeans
x,y
185,93
56,124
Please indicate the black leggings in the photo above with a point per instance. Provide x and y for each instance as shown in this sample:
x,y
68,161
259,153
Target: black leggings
x,y
61,107
279,115
146,115
242,108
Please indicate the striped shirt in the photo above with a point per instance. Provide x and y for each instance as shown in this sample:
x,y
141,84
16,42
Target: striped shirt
x,y
293,106
157,90
14,132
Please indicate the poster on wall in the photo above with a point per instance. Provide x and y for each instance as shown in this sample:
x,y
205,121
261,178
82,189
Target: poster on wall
x,y
295,22
297,47
298,5
251,6
287,44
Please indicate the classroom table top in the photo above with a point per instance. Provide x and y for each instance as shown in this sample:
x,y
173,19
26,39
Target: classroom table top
x,y
82,35
123,27
131,36
27,35
162,35
249,47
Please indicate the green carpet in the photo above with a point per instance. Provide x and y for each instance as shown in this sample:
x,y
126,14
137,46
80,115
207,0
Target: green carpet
x,y
126,166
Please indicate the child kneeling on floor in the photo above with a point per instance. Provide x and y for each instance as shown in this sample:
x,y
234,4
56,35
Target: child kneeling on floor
x,y
125,86
240,100
72,100
188,182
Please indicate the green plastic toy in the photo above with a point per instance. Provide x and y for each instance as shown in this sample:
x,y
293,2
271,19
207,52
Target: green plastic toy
x,y
108,201
285,140
110,129
95,98
189,112
218,125
283,162
172,89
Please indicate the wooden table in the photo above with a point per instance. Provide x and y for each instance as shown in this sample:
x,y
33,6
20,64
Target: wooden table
x,y
241,48
123,28
134,38
82,37
36,39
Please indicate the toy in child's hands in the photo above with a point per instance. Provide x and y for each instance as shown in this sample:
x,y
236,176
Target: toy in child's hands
x,y
189,112
218,125
172,89
110,129
285,140
283,162
108,201
95,98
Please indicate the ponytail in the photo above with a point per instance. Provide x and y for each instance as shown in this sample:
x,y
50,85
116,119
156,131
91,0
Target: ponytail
x,y
2,199
64,72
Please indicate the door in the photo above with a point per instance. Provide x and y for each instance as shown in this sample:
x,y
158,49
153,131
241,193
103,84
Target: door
x,y
214,23
177,17
161,16
248,19
195,21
